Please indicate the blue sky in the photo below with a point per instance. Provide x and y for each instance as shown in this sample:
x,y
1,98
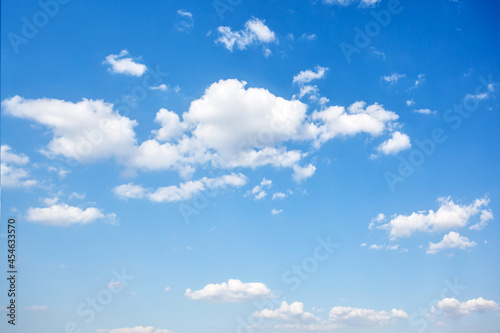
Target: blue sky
x,y
244,166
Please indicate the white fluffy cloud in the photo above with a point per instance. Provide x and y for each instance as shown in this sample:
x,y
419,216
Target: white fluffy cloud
x,y
85,131
121,64
138,329
309,75
293,317
359,118
232,291
13,169
251,137
182,192
63,215
287,313
397,143
255,32
170,125
229,126
455,309
448,216
302,173
451,241
365,317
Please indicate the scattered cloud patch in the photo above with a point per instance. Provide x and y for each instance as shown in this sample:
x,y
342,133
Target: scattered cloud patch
x,y
78,196
359,118
308,90
13,169
85,131
309,75
453,308
383,247
293,317
486,215
255,32
393,78
232,291
186,22
376,220
448,216
275,211
161,87
209,133
418,82
451,241
397,143
279,195
182,192
64,215
121,64
302,173
365,317
287,313
482,96
424,111
308,36
258,191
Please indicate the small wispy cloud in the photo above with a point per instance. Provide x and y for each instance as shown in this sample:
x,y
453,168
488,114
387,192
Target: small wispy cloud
x,y
393,78
186,22
276,211
121,64
424,111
